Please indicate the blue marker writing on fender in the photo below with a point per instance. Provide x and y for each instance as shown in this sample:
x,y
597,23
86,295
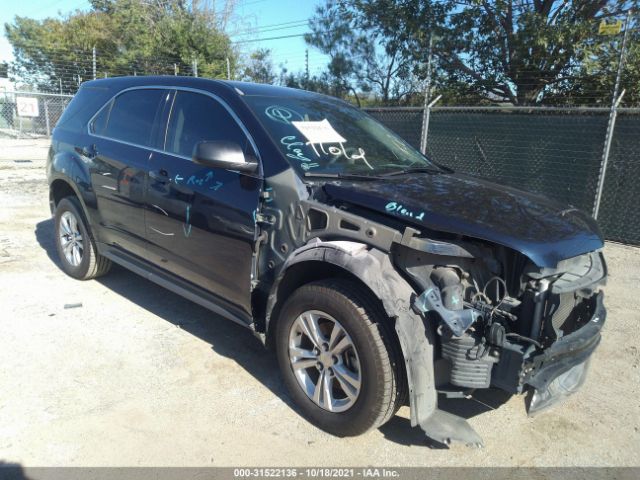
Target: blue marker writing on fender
x,y
186,227
398,208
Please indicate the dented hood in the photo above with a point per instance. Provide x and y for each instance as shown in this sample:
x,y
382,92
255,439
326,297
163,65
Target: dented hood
x,y
541,229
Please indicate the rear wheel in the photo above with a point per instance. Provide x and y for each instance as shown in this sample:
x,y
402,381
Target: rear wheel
x,y
75,244
338,357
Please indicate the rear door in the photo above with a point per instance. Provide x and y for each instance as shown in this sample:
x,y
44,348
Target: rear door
x,y
200,220
124,134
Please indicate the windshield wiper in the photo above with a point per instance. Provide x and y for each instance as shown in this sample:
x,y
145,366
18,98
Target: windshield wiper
x,y
344,176
404,171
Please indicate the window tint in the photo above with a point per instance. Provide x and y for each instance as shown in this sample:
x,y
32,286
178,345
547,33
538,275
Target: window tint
x,y
82,107
196,118
99,123
130,117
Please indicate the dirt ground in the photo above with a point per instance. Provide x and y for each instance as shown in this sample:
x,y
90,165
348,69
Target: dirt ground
x,y
139,376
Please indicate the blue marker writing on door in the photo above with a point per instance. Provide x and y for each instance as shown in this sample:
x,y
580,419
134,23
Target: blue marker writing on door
x,y
186,227
200,180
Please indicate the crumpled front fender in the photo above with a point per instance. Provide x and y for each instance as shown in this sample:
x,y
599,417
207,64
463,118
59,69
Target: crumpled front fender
x,y
376,271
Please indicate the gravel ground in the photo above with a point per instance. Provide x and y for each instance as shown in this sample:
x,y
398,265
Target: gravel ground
x,y
139,376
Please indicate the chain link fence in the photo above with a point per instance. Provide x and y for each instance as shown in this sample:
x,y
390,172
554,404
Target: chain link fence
x,y
557,152
29,114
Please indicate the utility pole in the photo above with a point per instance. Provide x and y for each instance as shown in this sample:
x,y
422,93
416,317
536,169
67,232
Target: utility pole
x,y
306,68
228,69
427,93
94,62
615,102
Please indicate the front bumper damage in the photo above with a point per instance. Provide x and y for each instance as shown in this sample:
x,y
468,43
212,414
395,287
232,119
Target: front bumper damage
x,y
549,375
561,369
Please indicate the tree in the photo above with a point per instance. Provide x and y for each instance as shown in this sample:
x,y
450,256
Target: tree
x,y
523,51
129,36
260,67
362,62
599,64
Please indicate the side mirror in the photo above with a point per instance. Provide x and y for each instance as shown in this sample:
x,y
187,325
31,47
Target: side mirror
x,y
223,154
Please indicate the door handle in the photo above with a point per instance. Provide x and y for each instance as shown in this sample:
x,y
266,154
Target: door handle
x,y
89,152
160,176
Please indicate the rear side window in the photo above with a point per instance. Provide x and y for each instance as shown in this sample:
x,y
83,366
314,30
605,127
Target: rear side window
x,y
82,107
196,118
130,117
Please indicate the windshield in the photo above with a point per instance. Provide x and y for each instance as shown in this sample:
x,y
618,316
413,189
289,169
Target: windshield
x,y
321,136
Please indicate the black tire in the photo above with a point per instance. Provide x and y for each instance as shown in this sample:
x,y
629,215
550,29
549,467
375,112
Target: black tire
x,y
92,265
380,362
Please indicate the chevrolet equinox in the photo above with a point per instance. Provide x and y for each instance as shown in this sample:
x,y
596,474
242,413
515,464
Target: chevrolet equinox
x,y
379,277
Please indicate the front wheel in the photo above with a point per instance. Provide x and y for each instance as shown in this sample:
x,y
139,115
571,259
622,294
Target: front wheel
x,y
338,357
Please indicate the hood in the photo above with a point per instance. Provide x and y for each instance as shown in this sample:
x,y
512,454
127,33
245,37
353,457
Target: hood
x,y
539,228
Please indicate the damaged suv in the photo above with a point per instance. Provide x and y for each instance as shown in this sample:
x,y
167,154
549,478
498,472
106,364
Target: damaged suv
x,y
379,277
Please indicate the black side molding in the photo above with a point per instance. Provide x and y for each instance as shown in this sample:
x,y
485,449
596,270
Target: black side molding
x,y
175,284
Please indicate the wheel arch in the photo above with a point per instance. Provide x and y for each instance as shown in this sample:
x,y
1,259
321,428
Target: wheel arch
x,y
367,267
59,189
373,269
299,273
62,187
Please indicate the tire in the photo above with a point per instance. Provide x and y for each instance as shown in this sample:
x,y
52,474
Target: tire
x,y
373,358
75,244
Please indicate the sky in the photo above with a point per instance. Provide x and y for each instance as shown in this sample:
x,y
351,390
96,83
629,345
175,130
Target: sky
x,y
268,18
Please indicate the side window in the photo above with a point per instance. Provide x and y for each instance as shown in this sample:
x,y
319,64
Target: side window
x,y
99,123
130,117
196,118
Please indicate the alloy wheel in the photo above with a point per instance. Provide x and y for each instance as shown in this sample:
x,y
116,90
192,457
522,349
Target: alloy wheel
x,y
324,360
71,239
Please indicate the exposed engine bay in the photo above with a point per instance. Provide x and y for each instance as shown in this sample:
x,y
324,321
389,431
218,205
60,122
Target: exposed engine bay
x,y
497,313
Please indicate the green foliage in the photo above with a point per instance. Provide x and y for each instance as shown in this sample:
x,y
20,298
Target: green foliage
x,y
130,37
363,63
259,69
599,63
520,52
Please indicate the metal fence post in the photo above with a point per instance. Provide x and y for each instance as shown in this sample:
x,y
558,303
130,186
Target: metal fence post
x,y
93,55
425,126
615,101
605,155
427,92
46,117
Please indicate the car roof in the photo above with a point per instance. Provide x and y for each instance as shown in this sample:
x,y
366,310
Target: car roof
x,y
212,85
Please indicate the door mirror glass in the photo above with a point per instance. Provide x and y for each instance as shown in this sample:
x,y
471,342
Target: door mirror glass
x,y
223,154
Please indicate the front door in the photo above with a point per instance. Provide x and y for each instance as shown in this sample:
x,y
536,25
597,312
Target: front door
x,y
200,221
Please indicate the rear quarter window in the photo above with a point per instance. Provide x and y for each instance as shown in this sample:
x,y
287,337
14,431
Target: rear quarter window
x,y
82,107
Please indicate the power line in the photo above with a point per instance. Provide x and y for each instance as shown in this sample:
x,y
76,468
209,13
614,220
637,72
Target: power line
x,y
271,38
